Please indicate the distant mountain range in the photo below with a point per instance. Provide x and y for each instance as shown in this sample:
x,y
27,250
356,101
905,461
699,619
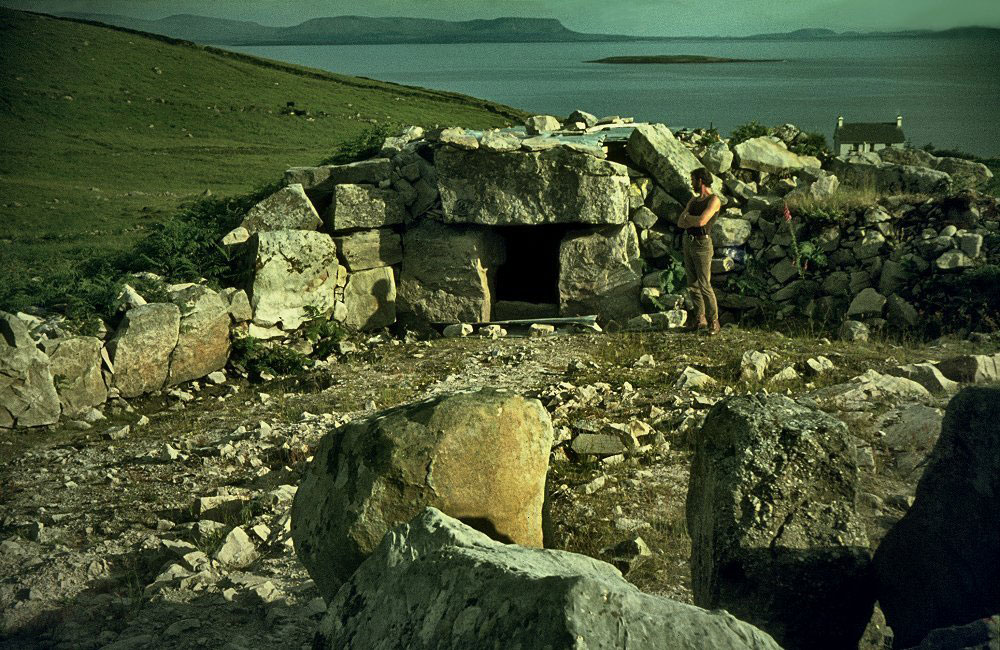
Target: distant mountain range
x,y
363,30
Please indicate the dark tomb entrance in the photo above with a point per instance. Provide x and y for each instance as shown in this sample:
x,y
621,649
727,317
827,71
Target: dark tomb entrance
x,y
527,283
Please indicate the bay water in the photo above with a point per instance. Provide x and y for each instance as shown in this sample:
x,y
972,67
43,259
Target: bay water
x,y
947,89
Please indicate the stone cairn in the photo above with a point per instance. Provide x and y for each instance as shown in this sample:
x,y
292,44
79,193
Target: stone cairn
x,y
424,229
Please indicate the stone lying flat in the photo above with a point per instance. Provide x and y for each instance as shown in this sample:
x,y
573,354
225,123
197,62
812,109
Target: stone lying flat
x,y
861,392
287,209
775,536
369,249
463,590
364,206
558,185
600,272
480,456
203,340
322,180
370,299
765,155
75,363
928,376
939,566
972,368
28,395
141,347
655,149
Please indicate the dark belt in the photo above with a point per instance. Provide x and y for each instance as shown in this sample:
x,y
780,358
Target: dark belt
x,y
696,232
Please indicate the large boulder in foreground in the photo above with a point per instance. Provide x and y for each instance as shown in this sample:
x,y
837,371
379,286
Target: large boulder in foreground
x,y
141,347
203,339
28,395
600,272
764,154
775,536
436,583
75,362
655,149
295,274
558,185
939,566
478,456
448,272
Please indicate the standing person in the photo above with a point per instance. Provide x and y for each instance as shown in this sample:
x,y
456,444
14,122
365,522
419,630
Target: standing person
x,y
696,221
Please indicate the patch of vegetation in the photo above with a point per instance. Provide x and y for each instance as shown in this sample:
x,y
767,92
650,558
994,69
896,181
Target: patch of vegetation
x,y
363,146
673,278
748,131
969,301
256,357
811,144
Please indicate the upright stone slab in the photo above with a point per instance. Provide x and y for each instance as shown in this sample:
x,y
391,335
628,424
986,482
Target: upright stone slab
x,y
369,249
295,273
448,272
479,456
464,590
370,299
558,185
655,149
939,566
775,536
75,363
287,209
28,395
203,340
141,347
364,206
600,272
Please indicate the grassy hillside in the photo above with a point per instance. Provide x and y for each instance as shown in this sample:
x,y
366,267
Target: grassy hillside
x,y
106,132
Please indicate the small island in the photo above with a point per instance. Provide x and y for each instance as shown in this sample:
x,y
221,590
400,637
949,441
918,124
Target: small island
x,y
678,58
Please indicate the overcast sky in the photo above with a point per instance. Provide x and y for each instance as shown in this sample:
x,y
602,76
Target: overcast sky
x,y
647,17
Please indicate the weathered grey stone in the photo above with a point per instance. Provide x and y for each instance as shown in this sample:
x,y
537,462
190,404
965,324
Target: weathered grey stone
x,y
75,364
664,206
717,158
784,270
953,259
597,444
722,265
900,312
554,186
928,376
837,283
764,155
369,249
296,274
657,321
730,232
893,278
853,331
28,395
237,550
203,339
964,173
860,280
644,218
322,180
600,272
541,124
981,634
498,142
370,299
867,303
917,428
869,245
583,116
141,347
866,390
480,456
364,206
971,368
971,244
754,364
775,535
939,565
458,137
655,149
448,272
890,177
457,330
463,590
287,209
692,379
238,304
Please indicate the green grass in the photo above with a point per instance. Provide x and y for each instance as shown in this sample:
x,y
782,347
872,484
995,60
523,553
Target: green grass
x,y
107,131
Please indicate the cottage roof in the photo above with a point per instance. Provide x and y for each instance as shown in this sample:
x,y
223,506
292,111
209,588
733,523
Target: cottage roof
x,y
870,132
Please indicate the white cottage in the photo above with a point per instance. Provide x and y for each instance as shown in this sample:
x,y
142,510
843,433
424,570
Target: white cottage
x,y
867,136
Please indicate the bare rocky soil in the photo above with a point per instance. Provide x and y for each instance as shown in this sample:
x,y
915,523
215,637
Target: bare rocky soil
x,y
167,525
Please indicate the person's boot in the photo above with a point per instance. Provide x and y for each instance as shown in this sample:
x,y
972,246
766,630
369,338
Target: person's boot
x,y
713,329
696,326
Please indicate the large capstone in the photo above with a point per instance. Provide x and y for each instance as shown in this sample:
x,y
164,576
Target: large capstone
x,y
600,272
558,185
28,395
479,456
75,363
287,209
140,349
939,566
655,149
370,299
764,154
295,275
203,340
320,181
364,206
775,536
448,272
437,583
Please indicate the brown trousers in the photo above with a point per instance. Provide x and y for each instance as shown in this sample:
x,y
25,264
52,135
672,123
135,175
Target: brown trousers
x,y
698,253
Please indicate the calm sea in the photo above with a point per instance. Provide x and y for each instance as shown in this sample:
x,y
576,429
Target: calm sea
x,y
948,90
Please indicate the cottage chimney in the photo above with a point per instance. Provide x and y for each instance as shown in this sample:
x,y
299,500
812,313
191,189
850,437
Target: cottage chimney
x,y
840,121
899,120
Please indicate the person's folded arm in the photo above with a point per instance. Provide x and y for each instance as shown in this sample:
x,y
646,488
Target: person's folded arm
x,y
699,220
